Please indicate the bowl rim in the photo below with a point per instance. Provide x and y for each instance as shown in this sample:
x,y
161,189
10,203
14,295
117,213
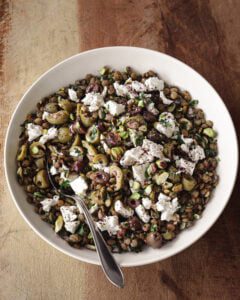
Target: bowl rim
x,y
123,264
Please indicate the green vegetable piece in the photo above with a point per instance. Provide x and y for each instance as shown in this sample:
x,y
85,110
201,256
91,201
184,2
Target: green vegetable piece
x,y
193,103
168,235
103,70
38,195
135,196
148,189
141,103
210,132
124,135
58,118
118,174
116,153
64,135
22,153
59,223
161,178
136,186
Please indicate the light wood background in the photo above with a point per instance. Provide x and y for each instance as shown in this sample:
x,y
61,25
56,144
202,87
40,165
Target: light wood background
x,y
35,35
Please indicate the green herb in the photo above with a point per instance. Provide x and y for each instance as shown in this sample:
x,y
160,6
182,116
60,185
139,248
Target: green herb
x,y
124,135
193,103
64,185
153,228
82,229
38,195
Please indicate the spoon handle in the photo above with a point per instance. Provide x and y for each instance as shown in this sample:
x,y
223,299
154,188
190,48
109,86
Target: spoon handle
x,y
109,265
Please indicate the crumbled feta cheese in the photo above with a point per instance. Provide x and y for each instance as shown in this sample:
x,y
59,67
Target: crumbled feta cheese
x,y
187,143
69,213
73,95
50,135
138,86
152,109
141,212
93,100
74,152
93,209
110,224
44,115
125,212
167,124
47,203
139,172
33,131
135,155
167,207
124,90
101,167
197,153
114,108
153,149
154,84
146,202
79,185
164,99
53,171
185,166
72,226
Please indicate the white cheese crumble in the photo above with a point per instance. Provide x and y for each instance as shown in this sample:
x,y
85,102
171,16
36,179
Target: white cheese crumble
x,y
141,212
154,84
138,86
33,131
197,153
69,214
153,149
109,224
185,166
79,185
50,135
53,171
73,95
44,115
167,207
165,100
124,90
135,155
101,167
167,124
139,172
93,100
114,108
74,152
152,109
125,212
146,202
47,203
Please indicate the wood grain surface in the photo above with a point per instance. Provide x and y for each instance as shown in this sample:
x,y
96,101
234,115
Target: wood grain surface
x,y
35,35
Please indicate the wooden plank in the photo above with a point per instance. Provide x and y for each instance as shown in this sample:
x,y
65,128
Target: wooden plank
x,y
37,34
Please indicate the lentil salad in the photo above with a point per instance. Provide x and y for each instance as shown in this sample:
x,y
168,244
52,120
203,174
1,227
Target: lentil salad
x,y
140,153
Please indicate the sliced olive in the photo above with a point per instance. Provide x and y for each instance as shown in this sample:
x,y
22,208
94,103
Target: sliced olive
x,y
22,152
188,182
93,135
87,119
90,149
66,105
76,141
186,124
100,159
41,179
118,174
64,135
39,163
58,118
37,150
116,153
51,107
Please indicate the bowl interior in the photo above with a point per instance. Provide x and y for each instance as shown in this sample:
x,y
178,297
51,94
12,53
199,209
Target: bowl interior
x,y
173,72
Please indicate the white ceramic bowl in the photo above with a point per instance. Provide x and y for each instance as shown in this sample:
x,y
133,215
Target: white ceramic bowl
x,y
172,71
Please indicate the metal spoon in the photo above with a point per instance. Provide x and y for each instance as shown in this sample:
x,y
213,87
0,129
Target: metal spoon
x,y
109,265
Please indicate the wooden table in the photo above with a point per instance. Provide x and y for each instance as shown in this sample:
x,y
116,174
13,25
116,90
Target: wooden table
x,y
35,35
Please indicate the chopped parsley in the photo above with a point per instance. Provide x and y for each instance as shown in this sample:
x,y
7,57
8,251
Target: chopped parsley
x,y
64,185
